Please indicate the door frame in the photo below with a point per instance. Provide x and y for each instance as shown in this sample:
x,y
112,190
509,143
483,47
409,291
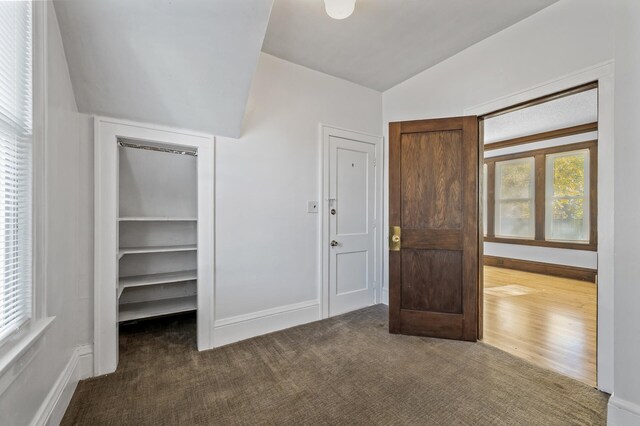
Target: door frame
x,y
105,326
326,132
604,74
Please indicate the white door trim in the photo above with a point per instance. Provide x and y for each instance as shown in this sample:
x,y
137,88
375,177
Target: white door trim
x,y
604,75
107,130
326,132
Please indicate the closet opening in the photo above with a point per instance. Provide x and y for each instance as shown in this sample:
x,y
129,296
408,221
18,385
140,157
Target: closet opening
x,y
154,234
157,230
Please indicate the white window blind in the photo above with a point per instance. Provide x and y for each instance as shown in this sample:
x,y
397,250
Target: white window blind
x,y
15,164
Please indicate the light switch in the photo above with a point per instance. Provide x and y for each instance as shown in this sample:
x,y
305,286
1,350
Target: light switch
x,y
312,207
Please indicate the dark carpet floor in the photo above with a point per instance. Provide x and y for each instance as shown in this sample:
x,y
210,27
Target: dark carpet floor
x,y
346,370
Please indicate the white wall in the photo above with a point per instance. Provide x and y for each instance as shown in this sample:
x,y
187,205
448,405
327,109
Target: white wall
x,y
68,266
267,245
624,406
565,38
562,39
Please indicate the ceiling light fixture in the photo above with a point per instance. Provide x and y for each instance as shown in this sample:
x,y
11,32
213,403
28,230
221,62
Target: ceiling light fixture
x,y
339,9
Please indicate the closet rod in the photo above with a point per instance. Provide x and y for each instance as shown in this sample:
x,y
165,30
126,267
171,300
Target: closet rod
x,y
125,144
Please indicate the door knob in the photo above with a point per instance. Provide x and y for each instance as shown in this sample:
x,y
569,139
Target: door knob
x,y
334,243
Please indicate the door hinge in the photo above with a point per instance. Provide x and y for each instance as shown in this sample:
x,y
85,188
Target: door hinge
x,y
375,160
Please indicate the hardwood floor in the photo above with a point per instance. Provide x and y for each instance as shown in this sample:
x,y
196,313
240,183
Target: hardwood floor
x,y
546,320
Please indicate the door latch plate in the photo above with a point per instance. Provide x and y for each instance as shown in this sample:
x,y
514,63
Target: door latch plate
x,y
395,238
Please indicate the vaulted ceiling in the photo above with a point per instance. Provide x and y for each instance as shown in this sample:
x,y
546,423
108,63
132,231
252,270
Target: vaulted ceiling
x,y
386,42
189,63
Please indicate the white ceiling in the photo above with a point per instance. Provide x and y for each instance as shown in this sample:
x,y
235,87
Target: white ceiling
x,y
184,63
386,42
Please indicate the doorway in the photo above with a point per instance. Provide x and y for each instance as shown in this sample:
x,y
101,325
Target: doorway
x,y
602,270
540,205
152,250
351,213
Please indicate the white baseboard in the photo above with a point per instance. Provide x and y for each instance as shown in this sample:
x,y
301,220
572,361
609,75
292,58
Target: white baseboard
x,y
234,329
385,296
622,412
80,366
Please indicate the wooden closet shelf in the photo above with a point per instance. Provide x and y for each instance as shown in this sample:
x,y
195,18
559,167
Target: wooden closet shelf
x,y
155,308
156,249
157,219
154,279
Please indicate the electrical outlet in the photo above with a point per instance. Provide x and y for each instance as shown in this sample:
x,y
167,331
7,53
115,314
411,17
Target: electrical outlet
x,y
312,207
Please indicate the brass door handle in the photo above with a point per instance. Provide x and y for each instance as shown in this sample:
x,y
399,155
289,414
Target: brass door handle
x,y
334,243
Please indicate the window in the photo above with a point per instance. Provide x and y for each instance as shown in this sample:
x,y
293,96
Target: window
x,y
515,195
541,171
544,197
567,207
16,137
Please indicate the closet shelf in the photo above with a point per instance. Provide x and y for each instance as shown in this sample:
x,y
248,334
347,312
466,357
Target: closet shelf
x,y
154,279
157,219
155,308
156,249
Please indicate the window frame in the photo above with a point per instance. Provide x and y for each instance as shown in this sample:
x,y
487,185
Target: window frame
x,y
540,202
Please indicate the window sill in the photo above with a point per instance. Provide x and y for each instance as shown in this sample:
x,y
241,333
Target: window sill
x,y
15,351
539,243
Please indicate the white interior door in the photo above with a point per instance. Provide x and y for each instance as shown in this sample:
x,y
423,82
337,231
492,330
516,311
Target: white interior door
x,y
352,224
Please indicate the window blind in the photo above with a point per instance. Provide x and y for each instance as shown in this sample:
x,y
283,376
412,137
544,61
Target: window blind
x,y
16,135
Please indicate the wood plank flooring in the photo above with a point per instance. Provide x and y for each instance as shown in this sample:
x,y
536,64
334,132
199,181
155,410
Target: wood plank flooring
x,y
546,320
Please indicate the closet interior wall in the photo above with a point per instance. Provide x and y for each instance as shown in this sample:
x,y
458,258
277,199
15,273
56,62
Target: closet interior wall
x,y
157,232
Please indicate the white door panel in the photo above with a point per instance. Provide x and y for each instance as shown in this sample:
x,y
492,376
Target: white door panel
x,y
351,225
351,186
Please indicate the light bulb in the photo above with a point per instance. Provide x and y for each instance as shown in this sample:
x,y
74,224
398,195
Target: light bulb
x,y
339,9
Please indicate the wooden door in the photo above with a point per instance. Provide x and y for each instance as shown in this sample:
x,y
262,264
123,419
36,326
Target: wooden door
x,y
433,203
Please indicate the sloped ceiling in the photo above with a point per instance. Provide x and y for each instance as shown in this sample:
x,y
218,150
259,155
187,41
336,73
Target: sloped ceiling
x,y
184,63
386,42
189,63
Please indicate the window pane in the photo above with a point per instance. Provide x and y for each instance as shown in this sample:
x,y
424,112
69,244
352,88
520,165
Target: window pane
x,y
568,176
567,215
515,198
568,220
516,219
515,180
